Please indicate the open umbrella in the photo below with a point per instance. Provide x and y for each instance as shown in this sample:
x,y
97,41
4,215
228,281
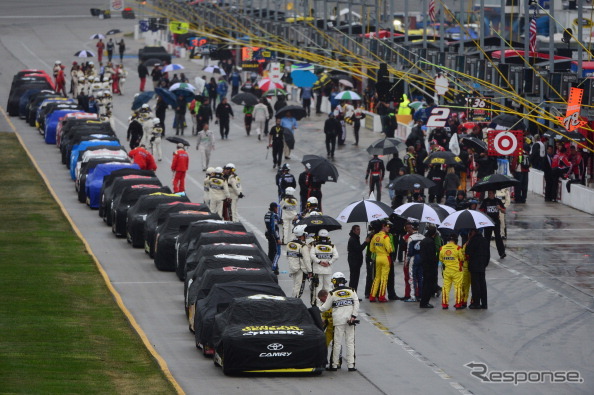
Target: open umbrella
x,y
442,158
366,210
97,36
297,112
182,86
494,182
421,212
267,84
385,146
169,97
173,67
466,219
142,98
564,136
245,99
474,142
408,181
275,92
316,222
508,121
346,83
112,32
443,208
289,138
303,78
347,95
177,140
84,54
320,167
214,69
152,62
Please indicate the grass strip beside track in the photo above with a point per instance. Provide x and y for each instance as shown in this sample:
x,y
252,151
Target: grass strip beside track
x,y
61,330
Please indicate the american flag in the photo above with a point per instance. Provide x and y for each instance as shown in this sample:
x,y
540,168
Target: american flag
x,y
532,32
431,11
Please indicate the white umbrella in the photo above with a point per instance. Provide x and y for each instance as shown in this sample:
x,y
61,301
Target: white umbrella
x,y
182,85
84,54
97,36
172,67
421,212
346,83
364,211
466,219
347,95
214,69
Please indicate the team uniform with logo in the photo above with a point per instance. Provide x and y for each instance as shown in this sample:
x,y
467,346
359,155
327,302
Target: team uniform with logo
x,y
323,254
451,257
219,191
299,265
381,246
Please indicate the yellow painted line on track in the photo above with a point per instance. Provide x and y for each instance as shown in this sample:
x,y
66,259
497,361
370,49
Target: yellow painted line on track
x,y
114,292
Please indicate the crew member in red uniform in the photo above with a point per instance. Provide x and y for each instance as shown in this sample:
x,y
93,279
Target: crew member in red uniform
x,y
375,169
179,166
61,81
143,158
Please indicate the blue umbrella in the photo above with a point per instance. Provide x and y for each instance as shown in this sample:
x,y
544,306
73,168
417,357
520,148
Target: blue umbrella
x,y
141,99
169,97
185,93
303,78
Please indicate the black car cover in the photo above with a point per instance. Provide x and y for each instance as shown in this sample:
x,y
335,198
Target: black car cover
x,y
112,179
224,248
219,297
126,199
268,333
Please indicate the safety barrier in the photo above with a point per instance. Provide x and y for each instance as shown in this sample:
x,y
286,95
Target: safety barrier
x,y
580,197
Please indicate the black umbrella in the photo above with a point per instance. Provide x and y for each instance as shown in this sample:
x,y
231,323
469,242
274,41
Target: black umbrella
x,y
113,31
442,158
245,99
152,62
320,167
364,211
466,219
297,112
508,121
289,138
474,142
564,136
177,140
316,222
385,146
494,182
84,54
408,181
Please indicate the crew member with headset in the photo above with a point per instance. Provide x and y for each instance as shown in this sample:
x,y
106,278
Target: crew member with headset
x,y
323,254
299,260
344,303
272,221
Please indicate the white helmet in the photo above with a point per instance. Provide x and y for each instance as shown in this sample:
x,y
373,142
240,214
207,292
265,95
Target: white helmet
x,y
58,62
338,278
156,121
107,93
91,63
145,106
299,230
323,233
218,169
312,200
290,191
337,275
210,170
97,79
230,166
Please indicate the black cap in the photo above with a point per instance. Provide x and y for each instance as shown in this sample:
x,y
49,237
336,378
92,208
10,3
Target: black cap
x,y
273,205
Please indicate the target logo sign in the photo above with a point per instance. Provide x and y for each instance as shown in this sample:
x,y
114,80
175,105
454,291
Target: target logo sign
x,y
505,142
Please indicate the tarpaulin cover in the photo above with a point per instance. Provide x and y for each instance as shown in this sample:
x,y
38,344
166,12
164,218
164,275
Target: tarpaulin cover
x,y
94,181
127,198
220,295
261,332
160,214
138,213
51,124
117,185
224,248
187,240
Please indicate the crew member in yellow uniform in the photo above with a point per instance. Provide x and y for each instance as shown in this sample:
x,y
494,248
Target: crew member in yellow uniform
x,y
452,259
381,245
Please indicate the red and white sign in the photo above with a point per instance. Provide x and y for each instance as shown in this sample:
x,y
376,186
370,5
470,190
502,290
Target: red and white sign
x,y
116,5
505,142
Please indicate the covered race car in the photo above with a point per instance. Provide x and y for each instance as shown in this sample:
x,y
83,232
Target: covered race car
x,y
168,232
22,85
35,101
88,168
99,151
192,233
224,248
138,213
268,334
157,217
94,182
68,118
115,188
52,120
218,299
85,147
194,277
81,136
122,202
46,109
